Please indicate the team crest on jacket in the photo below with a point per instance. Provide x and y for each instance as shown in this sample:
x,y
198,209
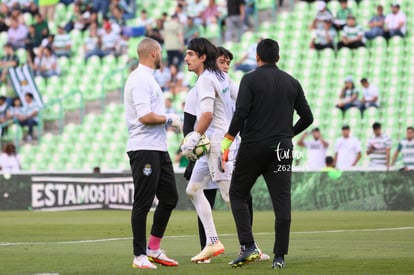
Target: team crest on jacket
x,y
147,169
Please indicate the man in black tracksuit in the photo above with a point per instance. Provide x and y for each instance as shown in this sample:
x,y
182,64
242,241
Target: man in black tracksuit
x,y
265,105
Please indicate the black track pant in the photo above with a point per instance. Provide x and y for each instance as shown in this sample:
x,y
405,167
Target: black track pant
x,y
153,175
276,170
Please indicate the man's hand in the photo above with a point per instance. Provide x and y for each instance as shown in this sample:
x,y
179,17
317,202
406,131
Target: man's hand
x,y
190,142
173,120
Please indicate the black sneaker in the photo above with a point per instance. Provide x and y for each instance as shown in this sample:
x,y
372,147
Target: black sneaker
x,y
249,255
278,262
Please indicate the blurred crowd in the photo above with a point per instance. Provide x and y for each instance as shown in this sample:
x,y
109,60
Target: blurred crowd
x,y
341,28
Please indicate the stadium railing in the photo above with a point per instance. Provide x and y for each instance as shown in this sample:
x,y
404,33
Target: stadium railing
x,y
61,114
123,72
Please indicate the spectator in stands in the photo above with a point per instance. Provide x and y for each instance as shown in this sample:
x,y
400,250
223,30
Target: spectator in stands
x,y
127,10
406,147
235,19
181,14
347,150
168,106
29,117
41,29
342,15
349,96
376,24
3,16
249,12
47,42
323,14
118,17
352,34
211,13
109,40
10,161
395,22
174,41
162,76
62,44
45,64
370,94
122,45
18,15
92,44
101,6
47,9
144,21
156,31
9,59
248,60
195,9
16,35
115,28
316,149
30,42
3,114
191,30
16,110
329,164
78,19
323,36
176,81
378,148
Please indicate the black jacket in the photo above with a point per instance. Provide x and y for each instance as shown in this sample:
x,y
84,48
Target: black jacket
x,y
265,106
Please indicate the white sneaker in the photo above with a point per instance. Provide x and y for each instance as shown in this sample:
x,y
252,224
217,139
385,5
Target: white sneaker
x,y
159,256
142,261
263,257
211,250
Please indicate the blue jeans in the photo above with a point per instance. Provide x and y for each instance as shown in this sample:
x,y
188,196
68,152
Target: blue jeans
x,y
391,33
375,32
96,52
363,106
30,123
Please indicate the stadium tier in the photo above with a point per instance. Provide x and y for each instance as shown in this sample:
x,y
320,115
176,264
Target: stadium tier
x,y
100,140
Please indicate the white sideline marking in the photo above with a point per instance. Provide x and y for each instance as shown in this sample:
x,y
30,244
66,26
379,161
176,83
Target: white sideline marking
x,y
193,236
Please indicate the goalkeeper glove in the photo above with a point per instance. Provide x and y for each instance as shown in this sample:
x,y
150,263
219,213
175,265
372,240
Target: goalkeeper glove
x,y
225,147
173,120
190,142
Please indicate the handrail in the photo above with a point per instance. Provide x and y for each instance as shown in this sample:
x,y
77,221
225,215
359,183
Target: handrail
x,y
59,102
111,74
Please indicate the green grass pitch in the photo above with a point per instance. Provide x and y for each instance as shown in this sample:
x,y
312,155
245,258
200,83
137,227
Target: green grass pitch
x,y
98,242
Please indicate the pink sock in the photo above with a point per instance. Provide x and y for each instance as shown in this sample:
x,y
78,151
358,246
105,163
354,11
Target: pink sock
x,y
154,243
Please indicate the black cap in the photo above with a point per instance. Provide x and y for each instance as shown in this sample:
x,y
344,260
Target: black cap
x,y
376,125
345,127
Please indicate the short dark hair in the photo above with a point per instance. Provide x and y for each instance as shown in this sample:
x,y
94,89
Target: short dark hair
x,y
364,80
29,95
410,128
329,160
3,98
225,52
268,50
316,129
376,125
